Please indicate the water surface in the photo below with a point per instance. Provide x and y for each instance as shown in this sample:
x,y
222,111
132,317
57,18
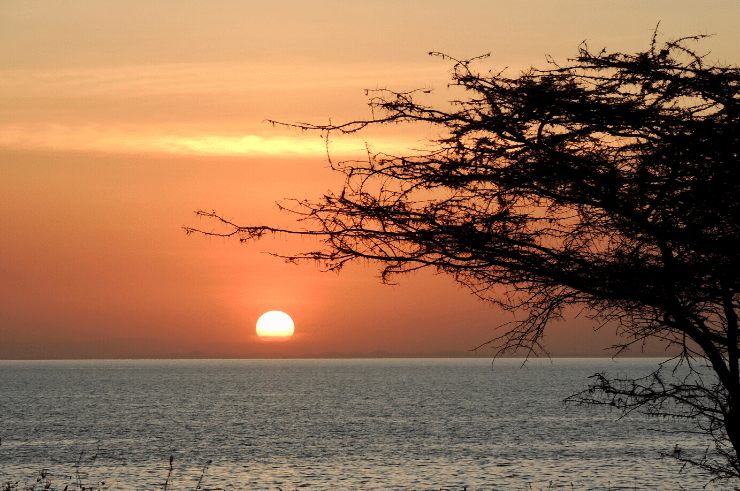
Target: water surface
x,y
328,424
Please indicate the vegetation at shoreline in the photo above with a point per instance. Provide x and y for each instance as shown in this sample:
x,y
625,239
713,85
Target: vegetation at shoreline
x,y
78,480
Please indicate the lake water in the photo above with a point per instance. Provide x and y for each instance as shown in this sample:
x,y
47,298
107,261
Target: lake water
x,y
417,424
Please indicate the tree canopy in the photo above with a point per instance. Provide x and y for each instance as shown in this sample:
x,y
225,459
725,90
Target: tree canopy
x,y
609,183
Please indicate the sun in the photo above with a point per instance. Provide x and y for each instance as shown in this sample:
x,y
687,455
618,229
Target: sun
x,y
275,324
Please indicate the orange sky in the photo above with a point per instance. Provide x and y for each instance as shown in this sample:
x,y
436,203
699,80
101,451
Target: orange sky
x,y
119,119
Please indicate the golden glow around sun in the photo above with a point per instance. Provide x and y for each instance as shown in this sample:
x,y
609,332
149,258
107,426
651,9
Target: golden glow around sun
x,y
275,324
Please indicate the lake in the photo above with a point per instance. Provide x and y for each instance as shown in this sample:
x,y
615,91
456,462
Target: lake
x,y
329,424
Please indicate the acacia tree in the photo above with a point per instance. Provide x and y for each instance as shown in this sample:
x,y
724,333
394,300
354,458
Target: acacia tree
x,y
610,183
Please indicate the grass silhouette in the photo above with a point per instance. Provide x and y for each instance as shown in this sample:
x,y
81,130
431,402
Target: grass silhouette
x,y
45,482
78,480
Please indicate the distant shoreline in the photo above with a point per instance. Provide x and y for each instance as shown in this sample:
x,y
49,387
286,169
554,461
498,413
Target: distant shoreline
x,y
377,355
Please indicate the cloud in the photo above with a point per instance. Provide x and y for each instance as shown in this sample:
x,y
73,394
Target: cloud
x,y
201,78
194,108
167,140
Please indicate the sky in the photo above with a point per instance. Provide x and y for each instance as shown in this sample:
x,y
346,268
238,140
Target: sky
x,y
119,119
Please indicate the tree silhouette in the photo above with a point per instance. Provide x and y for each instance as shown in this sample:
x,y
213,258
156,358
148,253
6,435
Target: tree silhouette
x,y
610,183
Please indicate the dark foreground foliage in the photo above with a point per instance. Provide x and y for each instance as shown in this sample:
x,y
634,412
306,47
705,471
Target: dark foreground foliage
x,y
78,480
46,482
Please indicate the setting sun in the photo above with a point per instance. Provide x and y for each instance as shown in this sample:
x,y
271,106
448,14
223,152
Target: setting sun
x,y
275,324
